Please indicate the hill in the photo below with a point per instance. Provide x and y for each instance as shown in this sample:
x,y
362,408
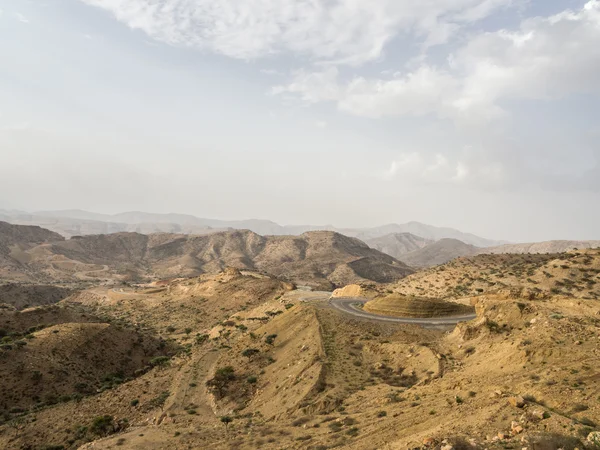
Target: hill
x,y
21,296
287,373
322,258
542,247
77,222
573,274
15,242
438,252
397,244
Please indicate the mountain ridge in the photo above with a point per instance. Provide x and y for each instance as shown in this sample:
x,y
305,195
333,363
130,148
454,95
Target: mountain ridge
x,y
74,222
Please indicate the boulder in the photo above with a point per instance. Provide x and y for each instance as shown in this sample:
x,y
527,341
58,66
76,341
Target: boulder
x,y
594,438
517,401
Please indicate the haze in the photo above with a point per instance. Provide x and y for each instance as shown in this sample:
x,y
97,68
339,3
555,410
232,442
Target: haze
x,y
476,114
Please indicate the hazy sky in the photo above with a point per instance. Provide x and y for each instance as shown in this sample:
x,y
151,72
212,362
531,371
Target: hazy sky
x,y
482,115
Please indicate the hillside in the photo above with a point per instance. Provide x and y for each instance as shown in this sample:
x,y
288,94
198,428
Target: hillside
x,y
574,274
438,252
21,296
397,244
542,247
273,371
320,258
15,242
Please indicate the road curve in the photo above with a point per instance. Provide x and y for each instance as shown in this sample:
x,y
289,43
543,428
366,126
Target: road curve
x,y
349,306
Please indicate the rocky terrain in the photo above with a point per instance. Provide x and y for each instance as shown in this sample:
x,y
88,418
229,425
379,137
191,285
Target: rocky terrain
x,y
22,295
320,258
576,274
542,247
146,355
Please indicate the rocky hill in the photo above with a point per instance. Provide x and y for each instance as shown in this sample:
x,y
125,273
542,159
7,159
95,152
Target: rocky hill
x,y
398,244
319,258
574,274
21,296
542,247
438,252
15,242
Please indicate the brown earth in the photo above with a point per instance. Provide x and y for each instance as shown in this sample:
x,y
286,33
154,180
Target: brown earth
x,y
576,273
409,306
321,258
21,296
290,372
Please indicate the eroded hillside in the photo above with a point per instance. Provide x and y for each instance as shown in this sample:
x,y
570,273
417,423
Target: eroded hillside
x,y
319,258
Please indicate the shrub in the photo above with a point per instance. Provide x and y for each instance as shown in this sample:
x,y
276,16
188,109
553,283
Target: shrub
x,y
270,339
201,338
171,329
134,402
220,382
382,414
252,379
250,352
102,425
159,361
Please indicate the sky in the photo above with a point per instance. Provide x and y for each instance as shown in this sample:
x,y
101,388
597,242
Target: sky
x,y
482,115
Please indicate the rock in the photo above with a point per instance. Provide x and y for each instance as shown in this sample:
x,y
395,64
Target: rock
x,y
594,437
447,447
517,402
532,321
429,442
502,435
536,415
515,428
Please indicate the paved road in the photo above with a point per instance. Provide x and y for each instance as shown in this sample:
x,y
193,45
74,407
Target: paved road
x,y
350,306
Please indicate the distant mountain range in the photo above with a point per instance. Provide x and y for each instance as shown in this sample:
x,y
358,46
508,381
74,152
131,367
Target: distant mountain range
x,y
322,259
77,222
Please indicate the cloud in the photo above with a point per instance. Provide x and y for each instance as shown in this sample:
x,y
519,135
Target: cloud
x,y
468,168
21,18
342,31
545,58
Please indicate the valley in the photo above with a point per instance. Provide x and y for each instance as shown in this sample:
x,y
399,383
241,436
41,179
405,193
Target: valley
x,y
235,340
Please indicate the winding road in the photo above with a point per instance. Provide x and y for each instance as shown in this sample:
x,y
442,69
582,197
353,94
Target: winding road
x,y
350,306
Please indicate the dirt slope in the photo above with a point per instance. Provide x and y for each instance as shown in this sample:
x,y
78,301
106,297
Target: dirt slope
x,y
301,376
573,274
21,296
15,241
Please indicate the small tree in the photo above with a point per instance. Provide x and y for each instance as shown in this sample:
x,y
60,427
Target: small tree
x,y
226,420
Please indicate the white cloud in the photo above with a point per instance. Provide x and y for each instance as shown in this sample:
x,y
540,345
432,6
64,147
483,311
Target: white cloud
x,y
546,58
21,18
344,31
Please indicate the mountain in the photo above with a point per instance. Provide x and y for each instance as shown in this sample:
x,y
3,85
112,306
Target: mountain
x,y
76,222
15,241
398,244
542,247
423,230
438,252
320,258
